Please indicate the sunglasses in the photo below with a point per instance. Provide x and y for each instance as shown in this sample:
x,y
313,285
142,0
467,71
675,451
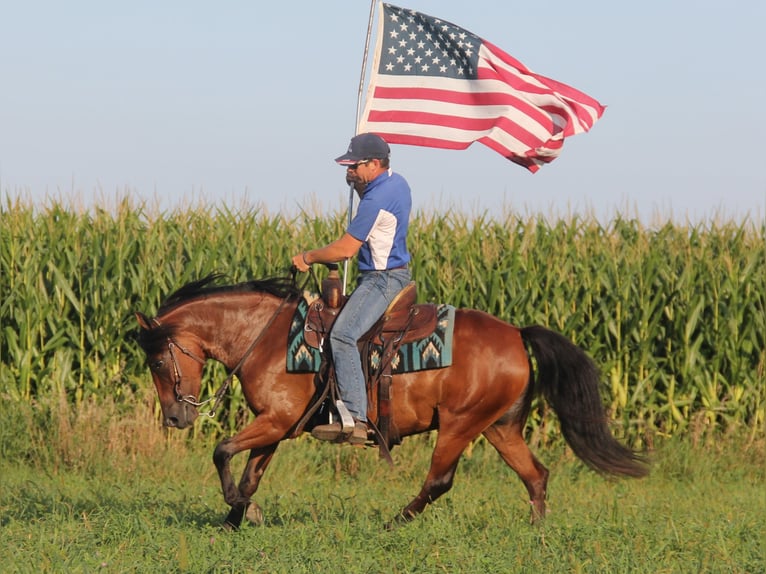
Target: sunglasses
x,y
357,164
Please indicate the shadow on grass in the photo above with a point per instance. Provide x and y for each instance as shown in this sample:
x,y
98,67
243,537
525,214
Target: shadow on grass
x,y
71,497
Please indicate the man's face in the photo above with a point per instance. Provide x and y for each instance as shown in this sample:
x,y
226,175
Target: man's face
x,y
360,174
365,170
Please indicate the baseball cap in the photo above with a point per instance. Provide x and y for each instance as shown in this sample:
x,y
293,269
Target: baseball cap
x,y
364,146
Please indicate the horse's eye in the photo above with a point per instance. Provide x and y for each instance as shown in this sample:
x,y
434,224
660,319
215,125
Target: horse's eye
x,y
157,365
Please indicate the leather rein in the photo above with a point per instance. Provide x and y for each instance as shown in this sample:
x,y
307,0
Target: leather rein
x,y
218,396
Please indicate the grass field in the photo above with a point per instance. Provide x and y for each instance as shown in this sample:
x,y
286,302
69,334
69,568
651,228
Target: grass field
x,y
112,492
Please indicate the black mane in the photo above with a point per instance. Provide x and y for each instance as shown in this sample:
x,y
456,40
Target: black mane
x,y
283,287
152,341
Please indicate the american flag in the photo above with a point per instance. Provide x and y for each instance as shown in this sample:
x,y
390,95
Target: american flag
x,y
435,84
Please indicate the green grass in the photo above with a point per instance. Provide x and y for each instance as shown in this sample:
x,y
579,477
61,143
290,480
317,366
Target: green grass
x,y
134,498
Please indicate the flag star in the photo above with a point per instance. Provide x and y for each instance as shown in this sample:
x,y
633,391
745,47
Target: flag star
x,y
389,66
424,67
443,69
392,50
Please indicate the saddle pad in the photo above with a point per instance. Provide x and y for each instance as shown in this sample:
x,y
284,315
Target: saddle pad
x,y
431,352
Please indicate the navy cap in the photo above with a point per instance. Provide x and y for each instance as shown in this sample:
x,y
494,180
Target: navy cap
x,y
364,146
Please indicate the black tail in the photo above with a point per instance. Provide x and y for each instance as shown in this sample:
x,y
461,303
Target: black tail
x,y
569,381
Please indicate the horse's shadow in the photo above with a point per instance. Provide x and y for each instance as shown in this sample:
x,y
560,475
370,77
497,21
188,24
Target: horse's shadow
x,y
32,501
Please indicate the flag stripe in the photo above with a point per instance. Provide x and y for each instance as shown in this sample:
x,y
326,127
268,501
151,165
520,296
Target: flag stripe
x,y
471,104
460,134
581,108
446,97
473,127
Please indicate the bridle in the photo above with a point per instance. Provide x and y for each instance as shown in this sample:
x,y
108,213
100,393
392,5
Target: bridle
x,y
178,376
218,396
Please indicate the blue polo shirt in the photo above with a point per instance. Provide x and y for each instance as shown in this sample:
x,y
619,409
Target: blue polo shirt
x,y
381,222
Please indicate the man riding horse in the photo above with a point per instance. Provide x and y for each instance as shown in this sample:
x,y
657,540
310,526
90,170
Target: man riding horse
x,y
378,233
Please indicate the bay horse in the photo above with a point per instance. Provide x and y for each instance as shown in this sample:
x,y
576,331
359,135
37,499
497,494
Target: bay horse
x,y
487,390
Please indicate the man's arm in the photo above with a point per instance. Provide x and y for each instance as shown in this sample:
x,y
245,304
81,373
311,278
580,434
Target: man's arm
x,y
339,250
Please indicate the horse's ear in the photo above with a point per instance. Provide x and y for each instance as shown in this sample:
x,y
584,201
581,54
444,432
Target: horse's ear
x,y
144,322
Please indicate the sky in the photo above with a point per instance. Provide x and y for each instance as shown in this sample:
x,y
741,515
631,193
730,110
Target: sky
x,y
243,103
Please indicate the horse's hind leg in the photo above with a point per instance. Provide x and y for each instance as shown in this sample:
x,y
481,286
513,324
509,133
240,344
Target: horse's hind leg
x,y
507,438
444,461
257,462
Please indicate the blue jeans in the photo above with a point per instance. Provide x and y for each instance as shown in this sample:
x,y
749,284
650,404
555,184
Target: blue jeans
x,y
374,291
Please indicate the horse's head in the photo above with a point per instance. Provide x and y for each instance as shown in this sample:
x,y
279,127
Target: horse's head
x,y
176,368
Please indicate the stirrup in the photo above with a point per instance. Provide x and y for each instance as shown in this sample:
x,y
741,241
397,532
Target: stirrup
x,y
346,420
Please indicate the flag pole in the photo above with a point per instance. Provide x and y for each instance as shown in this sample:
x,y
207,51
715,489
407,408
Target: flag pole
x,y
360,91
364,63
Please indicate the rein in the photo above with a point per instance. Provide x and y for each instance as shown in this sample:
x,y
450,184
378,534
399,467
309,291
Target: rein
x,y
218,396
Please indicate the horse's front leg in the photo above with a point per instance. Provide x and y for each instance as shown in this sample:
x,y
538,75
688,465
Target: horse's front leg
x,y
251,477
222,456
262,438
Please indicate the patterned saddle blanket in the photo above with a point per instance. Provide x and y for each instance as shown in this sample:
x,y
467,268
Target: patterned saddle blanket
x,y
433,351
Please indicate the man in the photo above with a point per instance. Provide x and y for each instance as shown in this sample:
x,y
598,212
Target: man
x,y
378,233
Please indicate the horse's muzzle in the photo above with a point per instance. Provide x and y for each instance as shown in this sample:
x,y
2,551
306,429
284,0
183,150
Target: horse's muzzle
x,y
179,415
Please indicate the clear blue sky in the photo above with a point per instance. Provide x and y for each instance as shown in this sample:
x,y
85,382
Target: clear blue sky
x,y
245,102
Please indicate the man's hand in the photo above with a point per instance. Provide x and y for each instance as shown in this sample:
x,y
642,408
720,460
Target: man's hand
x,y
300,263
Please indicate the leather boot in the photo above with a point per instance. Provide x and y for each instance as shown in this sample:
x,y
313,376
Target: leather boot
x,y
333,432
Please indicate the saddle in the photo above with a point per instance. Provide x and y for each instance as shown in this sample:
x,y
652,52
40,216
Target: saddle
x,y
402,322
402,319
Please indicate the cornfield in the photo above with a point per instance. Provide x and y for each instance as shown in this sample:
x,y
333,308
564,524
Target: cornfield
x,y
674,315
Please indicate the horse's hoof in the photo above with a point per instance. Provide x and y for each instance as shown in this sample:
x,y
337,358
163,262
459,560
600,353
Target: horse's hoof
x,y
399,520
254,514
390,526
233,520
229,527
537,516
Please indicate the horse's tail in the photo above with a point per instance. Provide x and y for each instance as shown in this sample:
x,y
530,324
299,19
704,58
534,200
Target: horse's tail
x,y
569,381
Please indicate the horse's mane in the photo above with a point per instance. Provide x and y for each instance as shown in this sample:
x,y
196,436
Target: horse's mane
x,y
283,287
153,340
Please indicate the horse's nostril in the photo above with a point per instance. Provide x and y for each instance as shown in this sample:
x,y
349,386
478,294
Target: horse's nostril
x,y
171,422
